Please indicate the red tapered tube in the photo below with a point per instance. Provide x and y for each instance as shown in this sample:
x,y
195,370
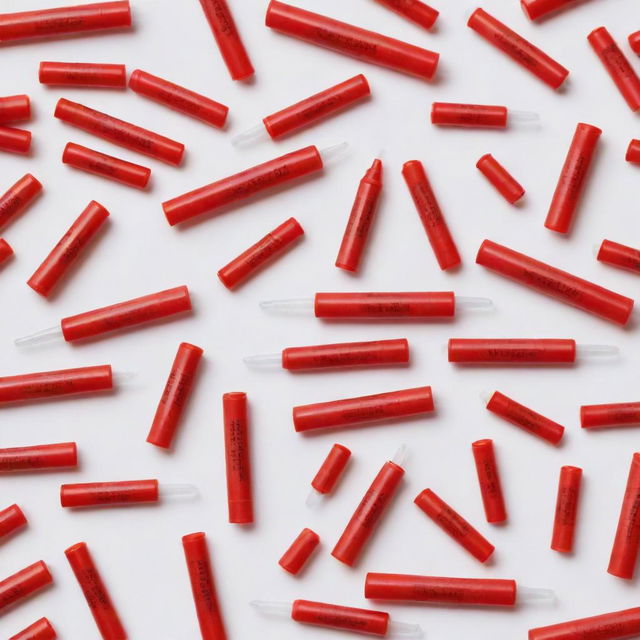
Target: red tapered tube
x,y
15,140
451,114
39,630
517,48
105,494
126,314
621,414
14,108
555,283
175,395
565,520
203,587
83,74
272,246
23,584
242,185
297,555
12,520
430,214
120,132
633,152
352,41
619,255
608,626
331,469
333,616
94,590
418,12
634,42
454,525
408,588
489,480
506,185
41,457
18,197
5,251
536,9
512,351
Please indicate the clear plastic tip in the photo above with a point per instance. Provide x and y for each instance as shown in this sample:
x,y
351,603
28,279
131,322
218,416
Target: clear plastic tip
x,y
535,594
277,609
522,116
333,153
476,304
597,351
250,137
123,378
267,361
40,337
401,455
314,499
293,307
404,630
178,491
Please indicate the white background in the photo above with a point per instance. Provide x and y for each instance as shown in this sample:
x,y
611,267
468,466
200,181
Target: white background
x,y
138,550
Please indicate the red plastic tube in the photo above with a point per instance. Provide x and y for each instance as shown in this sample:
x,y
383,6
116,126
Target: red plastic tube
x,y
555,283
331,470
39,630
452,114
430,214
408,588
227,38
126,314
418,12
633,152
525,418
63,455
361,217
120,132
352,41
94,590
68,249
175,395
17,198
506,185
454,525
5,251
14,108
12,520
105,494
489,480
512,351
238,458
617,66
620,414
105,166
634,42
203,587
15,140
517,48
619,255
565,520
608,626
83,74
297,555
333,616
178,98
536,9
272,246
48,23
23,584
243,185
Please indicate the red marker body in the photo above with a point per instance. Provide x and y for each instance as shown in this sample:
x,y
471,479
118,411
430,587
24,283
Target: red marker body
x,y
454,525
273,245
24,583
633,152
296,556
18,197
175,395
620,414
564,524
536,9
608,626
489,480
333,616
555,283
82,74
430,214
634,42
418,12
331,469
14,108
104,494
12,520
15,140
352,41
39,630
5,251
619,255
41,457
512,351
452,114
506,185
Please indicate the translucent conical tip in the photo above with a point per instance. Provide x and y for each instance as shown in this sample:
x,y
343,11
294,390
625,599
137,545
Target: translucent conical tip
x,y
404,630
523,116
250,137
288,307
401,455
470,302
121,378
590,351
535,594
314,499
334,152
40,337
178,491
267,361
280,609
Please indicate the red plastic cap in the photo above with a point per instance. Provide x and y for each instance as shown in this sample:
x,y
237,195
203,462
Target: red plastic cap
x,y
12,520
297,555
14,108
634,42
633,152
332,469
39,630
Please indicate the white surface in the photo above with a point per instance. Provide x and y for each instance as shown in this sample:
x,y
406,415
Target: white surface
x,y
138,550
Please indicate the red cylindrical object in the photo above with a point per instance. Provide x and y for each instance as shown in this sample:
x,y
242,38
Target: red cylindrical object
x,y
178,98
15,140
408,588
452,114
238,458
126,314
564,524
525,418
508,187
18,197
175,395
94,590
573,178
361,217
617,66
63,455
331,469
512,351
12,519
489,480
5,251
333,616
203,587
316,107
633,152
418,12
608,626
243,185
120,132
23,584
104,494
536,9
364,409
227,38
272,246
47,23
105,166
620,414
619,255
296,556
634,42
453,524
39,630
555,283
83,74
352,41
430,214
519,49
68,248
14,108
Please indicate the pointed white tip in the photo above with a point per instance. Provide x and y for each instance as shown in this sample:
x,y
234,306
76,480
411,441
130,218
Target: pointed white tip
x,y
404,630
280,609
314,499
288,307
523,116
474,303
121,378
596,351
250,137
401,455
178,491
535,594
334,152
267,361
40,337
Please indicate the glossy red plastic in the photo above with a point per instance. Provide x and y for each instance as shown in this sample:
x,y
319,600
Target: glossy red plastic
x,y
454,525
178,98
242,185
175,396
297,555
106,494
489,480
536,9
83,74
619,255
512,351
565,520
5,251
15,140
333,616
14,108
519,49
506,185
126,314
203,587
452,114
617,66
269,248
607,626
120,132
23,584
331,470
555,283
17,198
39,630
430,214
12,520
238,458
227,38
63,455
621,414
94,590
634,42
633,152
352,41
418,12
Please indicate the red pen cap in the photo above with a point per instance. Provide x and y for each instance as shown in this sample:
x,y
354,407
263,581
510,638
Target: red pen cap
x,y
17,198
451,114
418,12
489,480
536,9
99,494
610,415
62,455
333,616
511,351
5,251
634,42
12,519
83,74
297,555
633,152
39,630
506,185
14,108
24,583
331,469
565,520
619,255
15,140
